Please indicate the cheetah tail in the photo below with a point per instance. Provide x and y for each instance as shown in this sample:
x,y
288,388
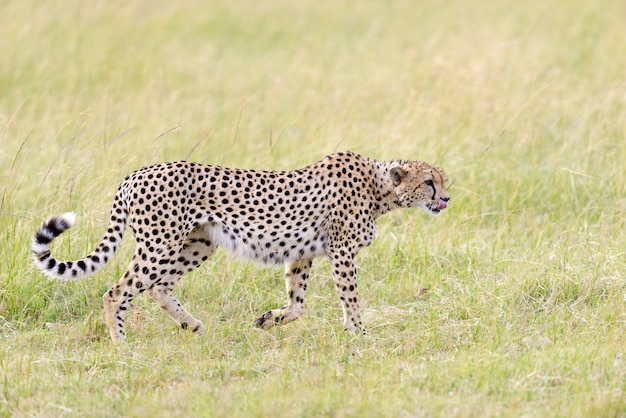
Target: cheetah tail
x,y
55,226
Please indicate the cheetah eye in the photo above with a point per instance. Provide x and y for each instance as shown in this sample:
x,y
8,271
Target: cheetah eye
x,y
429,183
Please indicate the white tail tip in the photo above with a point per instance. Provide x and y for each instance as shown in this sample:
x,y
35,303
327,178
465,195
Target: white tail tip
x,y
69,218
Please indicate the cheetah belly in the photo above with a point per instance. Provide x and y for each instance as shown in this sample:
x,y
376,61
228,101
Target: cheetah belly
x,y
272,249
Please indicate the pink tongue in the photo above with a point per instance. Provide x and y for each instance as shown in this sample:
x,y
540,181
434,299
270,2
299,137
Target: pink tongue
x,y
442,204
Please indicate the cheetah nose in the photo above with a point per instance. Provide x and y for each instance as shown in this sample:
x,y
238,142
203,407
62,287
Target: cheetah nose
x,y
442,204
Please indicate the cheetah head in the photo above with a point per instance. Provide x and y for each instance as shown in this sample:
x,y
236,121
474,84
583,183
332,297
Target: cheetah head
x,y
419,184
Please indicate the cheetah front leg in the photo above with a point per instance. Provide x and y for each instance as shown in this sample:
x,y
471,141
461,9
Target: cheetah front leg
x,y
344,275
296,277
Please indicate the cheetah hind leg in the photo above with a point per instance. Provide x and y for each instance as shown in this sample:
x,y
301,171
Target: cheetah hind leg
x,y
166,300
117,301
296,278
195,251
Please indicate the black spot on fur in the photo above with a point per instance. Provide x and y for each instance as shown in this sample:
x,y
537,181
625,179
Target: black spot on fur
x,y
42,239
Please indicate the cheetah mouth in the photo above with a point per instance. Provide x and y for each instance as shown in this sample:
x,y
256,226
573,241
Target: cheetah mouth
x,y
435,208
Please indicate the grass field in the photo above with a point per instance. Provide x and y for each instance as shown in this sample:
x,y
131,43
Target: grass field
x,y
512,303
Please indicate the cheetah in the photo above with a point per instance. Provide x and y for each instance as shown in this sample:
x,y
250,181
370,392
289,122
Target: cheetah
x,y
181,212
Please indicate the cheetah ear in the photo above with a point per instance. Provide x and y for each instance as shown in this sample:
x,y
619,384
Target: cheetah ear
x,y
397,174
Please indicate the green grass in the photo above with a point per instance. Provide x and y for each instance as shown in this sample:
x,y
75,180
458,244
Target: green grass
x,y
512,303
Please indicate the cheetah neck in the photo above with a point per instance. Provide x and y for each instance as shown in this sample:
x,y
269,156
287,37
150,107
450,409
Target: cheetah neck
x,y
386,197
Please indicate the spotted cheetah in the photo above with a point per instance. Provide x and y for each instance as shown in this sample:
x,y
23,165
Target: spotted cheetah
x,y
181,212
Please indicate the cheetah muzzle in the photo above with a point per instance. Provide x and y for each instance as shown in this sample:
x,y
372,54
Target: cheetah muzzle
x,y
181,212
